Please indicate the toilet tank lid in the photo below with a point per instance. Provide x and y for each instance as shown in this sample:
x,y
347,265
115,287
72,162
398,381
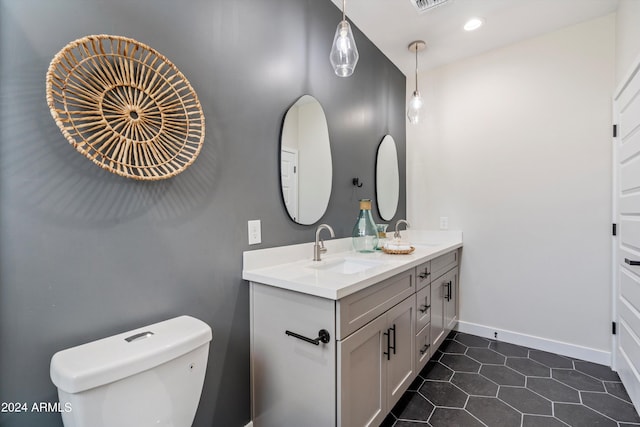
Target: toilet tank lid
x,y
110,359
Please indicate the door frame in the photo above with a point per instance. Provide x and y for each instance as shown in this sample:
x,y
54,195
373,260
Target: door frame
x,y
633,71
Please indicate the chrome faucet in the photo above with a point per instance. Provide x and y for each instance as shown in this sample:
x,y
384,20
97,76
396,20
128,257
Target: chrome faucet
x,y
318,247
396,235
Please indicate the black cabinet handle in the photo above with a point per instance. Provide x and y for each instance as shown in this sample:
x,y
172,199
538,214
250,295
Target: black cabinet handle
x,y
393,347
424,308
424,349
388,352
323,337
448,295
389,346
424,275
631,262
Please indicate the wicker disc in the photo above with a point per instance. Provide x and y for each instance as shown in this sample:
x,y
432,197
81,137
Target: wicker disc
x,y
125,106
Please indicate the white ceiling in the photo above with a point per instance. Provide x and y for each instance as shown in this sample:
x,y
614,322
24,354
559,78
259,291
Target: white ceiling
x,y
393,24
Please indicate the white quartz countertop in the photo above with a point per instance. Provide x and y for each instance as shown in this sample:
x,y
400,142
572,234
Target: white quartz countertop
x,y
342,271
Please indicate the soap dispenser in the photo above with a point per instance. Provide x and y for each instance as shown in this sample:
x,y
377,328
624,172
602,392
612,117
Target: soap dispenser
x,y
365,232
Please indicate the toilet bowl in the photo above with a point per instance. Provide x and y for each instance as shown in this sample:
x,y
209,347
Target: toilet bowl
x,y
150,376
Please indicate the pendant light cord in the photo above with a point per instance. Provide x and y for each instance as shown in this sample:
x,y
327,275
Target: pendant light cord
x,y
344,7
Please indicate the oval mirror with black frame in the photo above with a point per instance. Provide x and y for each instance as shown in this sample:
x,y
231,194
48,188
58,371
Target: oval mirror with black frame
x,y
306,170
387,178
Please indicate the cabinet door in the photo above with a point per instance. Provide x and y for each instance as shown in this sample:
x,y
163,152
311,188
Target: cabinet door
x,y
451,300
400,359
444,306
361,376
438,292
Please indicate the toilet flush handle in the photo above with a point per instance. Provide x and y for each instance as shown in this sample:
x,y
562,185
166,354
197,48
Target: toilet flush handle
x,y
140,336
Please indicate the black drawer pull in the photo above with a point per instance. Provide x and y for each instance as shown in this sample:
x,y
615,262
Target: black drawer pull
x,y
323,337
424,349
424,308
424,275
631,262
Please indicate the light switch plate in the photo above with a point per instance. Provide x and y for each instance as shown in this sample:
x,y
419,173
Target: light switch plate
x,y
255,232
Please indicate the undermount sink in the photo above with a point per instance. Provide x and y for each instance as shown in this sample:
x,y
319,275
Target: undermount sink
x,y
346,265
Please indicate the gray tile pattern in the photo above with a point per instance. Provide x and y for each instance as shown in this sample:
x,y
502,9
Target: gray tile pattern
x,y
472,381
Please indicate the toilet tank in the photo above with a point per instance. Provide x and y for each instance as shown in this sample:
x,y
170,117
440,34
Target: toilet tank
x,y
150,376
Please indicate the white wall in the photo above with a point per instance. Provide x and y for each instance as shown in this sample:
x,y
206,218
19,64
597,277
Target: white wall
x,y
516,151
627,37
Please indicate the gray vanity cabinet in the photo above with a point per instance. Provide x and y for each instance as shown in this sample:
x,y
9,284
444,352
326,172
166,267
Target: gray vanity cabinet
x,y
352,380
379,339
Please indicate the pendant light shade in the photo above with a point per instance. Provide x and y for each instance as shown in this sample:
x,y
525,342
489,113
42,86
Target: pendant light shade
x,y
415,103
414,108
344,53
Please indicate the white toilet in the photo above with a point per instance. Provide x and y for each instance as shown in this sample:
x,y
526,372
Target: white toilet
x,y
151,376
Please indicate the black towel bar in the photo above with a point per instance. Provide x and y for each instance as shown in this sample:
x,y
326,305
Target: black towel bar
x,y
323,337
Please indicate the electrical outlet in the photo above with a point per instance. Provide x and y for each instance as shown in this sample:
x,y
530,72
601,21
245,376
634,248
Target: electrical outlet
x,y
444,223
255,232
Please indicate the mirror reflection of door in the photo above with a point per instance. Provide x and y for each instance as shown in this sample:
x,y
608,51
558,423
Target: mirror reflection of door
x,y
305,184
289,180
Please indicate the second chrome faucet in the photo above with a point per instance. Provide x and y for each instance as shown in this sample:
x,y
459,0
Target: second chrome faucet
x,y
396,234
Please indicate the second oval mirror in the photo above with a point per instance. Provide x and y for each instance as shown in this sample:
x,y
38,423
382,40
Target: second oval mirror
x,y
306,169
387,178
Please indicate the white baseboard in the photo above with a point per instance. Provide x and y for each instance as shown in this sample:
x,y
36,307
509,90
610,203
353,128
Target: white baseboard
x,y
250,424
538,343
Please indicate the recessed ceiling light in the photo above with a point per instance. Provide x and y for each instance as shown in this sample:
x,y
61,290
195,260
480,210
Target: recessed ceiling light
x,y
473,24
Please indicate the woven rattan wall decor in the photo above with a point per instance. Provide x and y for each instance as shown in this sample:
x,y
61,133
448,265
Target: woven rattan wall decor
x,y
125,106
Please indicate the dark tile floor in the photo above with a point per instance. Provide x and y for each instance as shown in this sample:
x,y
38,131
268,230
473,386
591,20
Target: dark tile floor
x,y
472,381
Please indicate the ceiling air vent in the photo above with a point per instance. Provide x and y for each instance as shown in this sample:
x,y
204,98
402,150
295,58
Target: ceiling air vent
x,y
426,5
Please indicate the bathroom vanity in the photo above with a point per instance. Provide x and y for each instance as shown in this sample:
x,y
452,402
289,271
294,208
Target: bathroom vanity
x,y
336,342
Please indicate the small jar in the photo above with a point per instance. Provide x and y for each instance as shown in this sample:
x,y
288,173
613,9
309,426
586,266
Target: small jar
x,y
365,232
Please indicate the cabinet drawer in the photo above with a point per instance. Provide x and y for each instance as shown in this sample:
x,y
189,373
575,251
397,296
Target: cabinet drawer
x,y
356,310
423,307
443,263
423,347
423,275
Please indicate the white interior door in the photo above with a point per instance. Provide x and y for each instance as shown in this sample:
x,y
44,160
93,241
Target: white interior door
x,y
627,245
289,180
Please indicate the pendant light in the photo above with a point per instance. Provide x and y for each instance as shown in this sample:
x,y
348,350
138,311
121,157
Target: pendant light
x,y
415,103
344,53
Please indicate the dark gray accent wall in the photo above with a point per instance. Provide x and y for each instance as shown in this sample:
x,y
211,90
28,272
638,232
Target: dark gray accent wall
x,y
86,254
